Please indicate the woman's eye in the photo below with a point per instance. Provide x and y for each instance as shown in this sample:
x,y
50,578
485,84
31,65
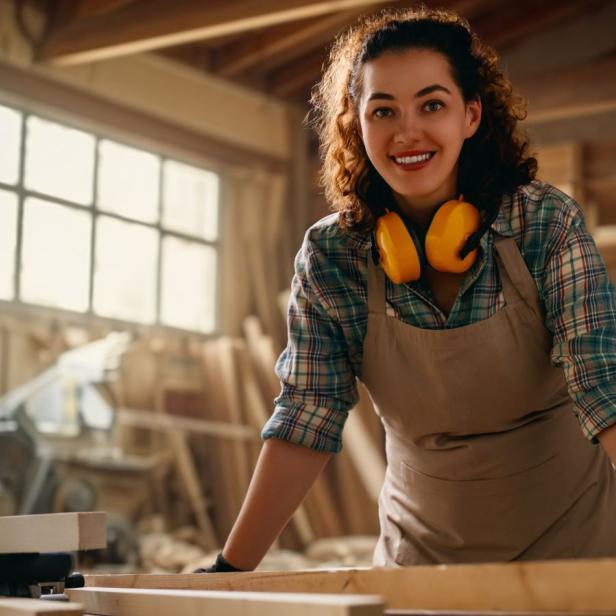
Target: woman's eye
x,y
382,112
433,106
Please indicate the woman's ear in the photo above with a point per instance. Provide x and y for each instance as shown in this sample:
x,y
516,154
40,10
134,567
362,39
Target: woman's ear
x,y
473,117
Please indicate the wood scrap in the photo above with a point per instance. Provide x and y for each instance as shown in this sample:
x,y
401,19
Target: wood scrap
x,y
169,380
53,532
192,485
152,421
559,586
351,551
228,463
133,602
163,553
240,457
36,607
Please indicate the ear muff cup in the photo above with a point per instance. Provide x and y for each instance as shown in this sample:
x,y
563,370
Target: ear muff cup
x,y
452,224
404,255
399,247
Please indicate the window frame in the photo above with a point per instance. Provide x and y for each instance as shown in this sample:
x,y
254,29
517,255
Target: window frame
x,y
90,317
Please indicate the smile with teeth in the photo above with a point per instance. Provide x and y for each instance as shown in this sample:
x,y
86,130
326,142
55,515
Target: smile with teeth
x,y
413,160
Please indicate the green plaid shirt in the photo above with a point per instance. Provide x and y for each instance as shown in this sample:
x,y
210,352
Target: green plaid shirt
x,y
328,314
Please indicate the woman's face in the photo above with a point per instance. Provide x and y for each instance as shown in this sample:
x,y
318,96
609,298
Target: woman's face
x,y
413,122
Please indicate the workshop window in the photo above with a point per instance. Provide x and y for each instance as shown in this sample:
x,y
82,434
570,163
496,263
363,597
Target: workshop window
x,y
91,225
8,243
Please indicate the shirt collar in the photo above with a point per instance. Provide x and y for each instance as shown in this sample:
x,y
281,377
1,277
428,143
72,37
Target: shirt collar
x,y
501,225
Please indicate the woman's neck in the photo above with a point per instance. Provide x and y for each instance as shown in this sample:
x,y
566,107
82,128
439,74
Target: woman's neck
x,y
420,214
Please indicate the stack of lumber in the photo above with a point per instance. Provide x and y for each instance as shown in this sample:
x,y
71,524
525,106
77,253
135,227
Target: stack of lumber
x,y
510,589
208,402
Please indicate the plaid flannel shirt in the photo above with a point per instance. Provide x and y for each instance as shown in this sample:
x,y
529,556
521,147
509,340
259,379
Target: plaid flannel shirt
x,y
328,314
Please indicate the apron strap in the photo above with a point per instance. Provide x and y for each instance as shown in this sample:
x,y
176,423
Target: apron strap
x,y
376,287
515,275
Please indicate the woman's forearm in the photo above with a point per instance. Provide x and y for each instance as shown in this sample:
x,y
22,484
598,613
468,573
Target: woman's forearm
x,y
282,477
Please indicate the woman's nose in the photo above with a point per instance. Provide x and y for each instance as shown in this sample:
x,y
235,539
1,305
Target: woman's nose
x,y
408,129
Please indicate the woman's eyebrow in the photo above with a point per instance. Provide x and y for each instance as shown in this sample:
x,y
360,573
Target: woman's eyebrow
x,y
380,95
433,88
423,92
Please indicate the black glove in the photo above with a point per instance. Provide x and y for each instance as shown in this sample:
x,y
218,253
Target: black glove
x,y
220,566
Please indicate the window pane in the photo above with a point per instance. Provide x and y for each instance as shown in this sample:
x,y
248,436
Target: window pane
x,y
10,138
188,285
8,240
59,161
128,181
55,255
190,202
125,273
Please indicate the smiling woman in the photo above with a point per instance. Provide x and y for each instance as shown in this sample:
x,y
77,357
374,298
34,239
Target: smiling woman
x,y
490,359
414,129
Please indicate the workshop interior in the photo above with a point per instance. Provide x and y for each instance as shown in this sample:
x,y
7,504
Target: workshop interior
x,y
158,174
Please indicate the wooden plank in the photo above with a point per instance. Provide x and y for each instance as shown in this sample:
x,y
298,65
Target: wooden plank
x,y
136,602
559,586
152,421
53,532
279,45
192,485
574,92
152,24
37,607
484,613
518,21
572,42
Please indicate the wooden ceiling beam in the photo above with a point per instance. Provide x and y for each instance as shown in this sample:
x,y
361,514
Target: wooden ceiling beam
x,y
279,45
296,76
145,25
522,18
577,92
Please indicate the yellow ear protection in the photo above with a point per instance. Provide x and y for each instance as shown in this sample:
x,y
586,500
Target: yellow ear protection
x,y
403,255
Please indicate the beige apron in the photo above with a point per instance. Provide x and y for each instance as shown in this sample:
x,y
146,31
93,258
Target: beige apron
x,y
486,459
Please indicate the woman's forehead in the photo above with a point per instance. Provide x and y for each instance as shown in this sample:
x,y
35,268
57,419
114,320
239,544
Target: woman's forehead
x,y
410,69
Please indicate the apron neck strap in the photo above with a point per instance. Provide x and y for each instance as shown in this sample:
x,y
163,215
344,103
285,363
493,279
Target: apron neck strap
x,y
515,275
376,287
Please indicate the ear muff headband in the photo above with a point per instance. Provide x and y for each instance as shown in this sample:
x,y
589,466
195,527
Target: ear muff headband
x,y
402,252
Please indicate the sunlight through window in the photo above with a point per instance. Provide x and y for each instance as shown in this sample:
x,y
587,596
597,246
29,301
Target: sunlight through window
x,y
59,161
55,255
188,285
125,270
8,243
10,138
190,200
128,181
85,227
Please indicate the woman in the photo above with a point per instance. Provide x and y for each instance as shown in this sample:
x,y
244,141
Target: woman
x,y
491,366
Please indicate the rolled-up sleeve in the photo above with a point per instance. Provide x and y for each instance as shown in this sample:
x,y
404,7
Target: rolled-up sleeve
x,y
317,378
580,311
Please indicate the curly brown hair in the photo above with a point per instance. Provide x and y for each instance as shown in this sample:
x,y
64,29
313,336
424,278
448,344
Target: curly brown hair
x,y
494,162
